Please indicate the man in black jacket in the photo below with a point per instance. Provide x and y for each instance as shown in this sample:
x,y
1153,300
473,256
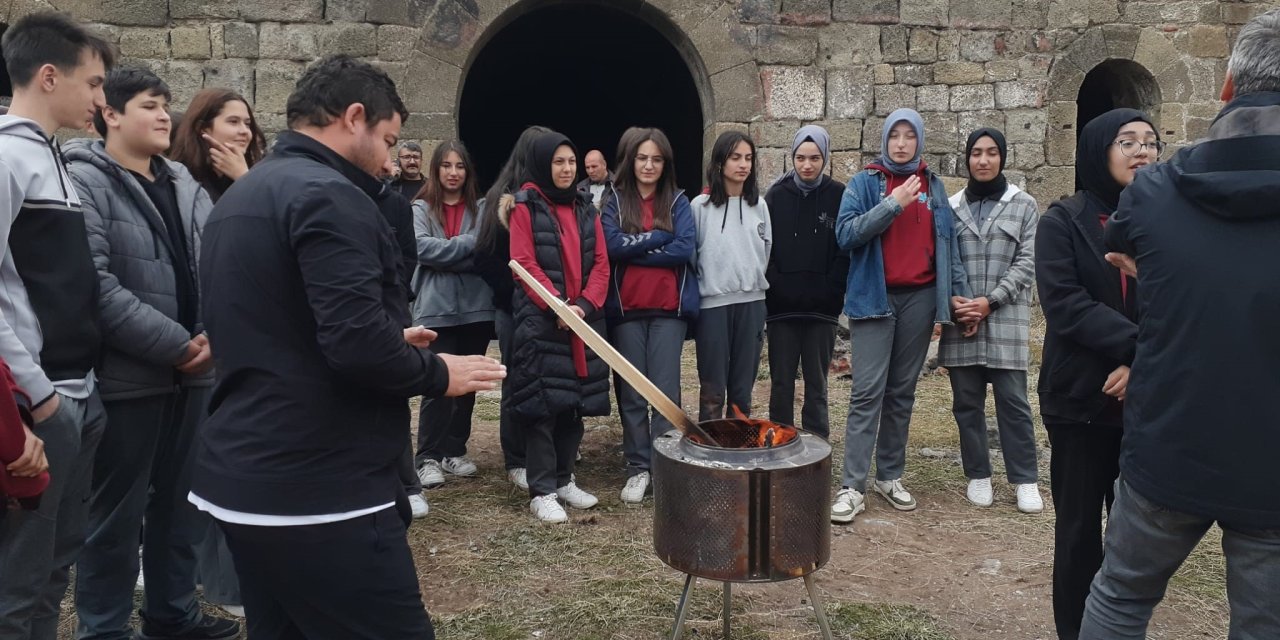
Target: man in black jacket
x,y
1201,436
306,315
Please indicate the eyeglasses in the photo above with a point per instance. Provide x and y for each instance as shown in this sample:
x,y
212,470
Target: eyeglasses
x,y
1131,148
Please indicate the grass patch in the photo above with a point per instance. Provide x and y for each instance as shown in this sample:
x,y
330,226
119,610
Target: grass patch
x,y
861,621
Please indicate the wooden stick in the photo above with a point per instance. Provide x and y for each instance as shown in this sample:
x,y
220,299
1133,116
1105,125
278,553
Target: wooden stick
x,y
643,385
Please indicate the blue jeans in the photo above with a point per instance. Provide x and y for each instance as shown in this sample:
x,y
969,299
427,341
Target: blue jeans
x,y
1146,543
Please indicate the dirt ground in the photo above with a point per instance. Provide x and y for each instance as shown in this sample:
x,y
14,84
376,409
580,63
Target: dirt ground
x,y
947,571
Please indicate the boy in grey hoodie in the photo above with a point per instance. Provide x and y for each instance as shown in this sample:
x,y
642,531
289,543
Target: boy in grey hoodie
x,y
48,307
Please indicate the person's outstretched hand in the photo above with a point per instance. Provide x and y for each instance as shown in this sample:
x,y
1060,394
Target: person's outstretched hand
x,y
469,374
1124,262
419,336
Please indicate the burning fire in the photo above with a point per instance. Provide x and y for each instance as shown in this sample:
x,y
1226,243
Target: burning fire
x,y
743,432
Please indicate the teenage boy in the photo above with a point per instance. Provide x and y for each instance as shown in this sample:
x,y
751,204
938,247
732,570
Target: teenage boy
x,y
144,216
48,307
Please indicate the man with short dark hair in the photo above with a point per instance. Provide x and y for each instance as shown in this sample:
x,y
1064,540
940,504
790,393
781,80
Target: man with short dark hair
x,y
144,215
49,332
1201,431
410,180
305,308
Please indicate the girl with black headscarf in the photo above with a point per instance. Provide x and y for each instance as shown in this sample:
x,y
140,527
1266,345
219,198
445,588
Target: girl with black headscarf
x,y
1091,332
556,236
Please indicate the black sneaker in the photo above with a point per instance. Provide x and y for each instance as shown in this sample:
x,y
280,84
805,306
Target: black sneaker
x,y
205,628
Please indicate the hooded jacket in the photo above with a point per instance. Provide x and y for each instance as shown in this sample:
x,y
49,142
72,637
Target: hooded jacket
x,y
1201,429
807,269
138,293
48,284
448,289
734,241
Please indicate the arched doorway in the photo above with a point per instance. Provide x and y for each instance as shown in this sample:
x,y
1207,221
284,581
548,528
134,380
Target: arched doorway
x,y
588,71
1115,84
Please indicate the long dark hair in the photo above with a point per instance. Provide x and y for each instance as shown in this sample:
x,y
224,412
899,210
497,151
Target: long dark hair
x,y
627,186
190,149
720,152
508,181
433,191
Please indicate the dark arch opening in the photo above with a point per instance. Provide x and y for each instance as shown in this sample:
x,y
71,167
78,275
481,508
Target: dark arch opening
x,y
6,85
588,71
1116,84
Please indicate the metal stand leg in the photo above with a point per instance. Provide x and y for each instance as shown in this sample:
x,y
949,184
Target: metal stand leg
x,y
819,607
678,629
728,602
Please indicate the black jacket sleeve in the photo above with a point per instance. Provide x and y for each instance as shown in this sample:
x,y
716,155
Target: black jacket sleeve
x,y
1070,309
336,236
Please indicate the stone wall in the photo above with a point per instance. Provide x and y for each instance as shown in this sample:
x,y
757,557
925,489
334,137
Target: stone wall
x,y
765,66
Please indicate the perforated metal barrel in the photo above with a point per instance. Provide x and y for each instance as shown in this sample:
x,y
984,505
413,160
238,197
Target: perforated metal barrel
x,y
742,515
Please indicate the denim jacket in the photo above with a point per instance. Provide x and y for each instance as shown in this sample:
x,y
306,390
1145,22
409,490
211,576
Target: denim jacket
x,y
866,211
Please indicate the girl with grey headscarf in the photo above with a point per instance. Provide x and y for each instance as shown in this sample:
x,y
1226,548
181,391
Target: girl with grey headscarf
x,y
806,273
905,275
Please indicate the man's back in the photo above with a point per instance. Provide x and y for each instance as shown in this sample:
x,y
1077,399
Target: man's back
x,y
1201,429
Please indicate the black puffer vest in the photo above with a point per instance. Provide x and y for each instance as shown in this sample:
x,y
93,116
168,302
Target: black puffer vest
x,y
543,380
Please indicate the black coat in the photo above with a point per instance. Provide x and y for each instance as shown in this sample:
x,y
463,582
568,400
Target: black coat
x,y
807,271
399,214
1090,329
306,311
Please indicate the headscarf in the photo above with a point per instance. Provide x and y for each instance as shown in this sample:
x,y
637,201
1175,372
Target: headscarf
x,y
539,167
1092,167
976,190
819,136
911,117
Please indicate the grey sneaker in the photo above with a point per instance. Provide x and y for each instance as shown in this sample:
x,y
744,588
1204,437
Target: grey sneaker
x,y
896,495
849,503
431,474
459,466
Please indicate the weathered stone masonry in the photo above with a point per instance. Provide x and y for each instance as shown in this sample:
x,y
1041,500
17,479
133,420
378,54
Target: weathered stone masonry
x,y
766,66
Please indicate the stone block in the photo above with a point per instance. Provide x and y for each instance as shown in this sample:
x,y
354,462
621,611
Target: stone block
x,y
346,11
844,165
1155,51
936,97
714,29
289,41
805,12
949,46
978,46
846,135
1024,156
188,9
1048,184
721,127
1002,70
273,83
1069,13
191,43
148,13
236,75
1016,95
923,46
959,73
913,74
1060,132
1172,122
973,120
430,126
872,134
1064,81
785,45
771,163
282,10
759,11
941,132
428,85
1087,51
931,13
737,92
794,92
1175,82
396,42
866,12
894,96
1026,125
1194,129
110,32
1030,14
1033,66
981,14
774,133
350,38
883,74
1103,11
849,93
1241,12
1207,77
185,78
240,39
893,43
1204,41
1121,39
969,97
1180,12
217,46
451,31
144,43
944,164
409,13
846,45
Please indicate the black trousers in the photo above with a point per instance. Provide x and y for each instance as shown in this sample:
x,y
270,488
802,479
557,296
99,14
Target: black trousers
x,y
444,424
551,444
806,345
510,434
1082,473
348,580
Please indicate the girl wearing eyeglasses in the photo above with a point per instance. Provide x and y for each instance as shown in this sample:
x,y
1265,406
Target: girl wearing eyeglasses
x,y
1091,332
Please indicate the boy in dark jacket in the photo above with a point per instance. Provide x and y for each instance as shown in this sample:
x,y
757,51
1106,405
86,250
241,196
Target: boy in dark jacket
x,y
806,273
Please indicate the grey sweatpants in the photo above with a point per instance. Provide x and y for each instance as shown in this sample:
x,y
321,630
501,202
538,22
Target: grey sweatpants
x,y
885,355
808,345
728,341
653,345
37,548
1013,416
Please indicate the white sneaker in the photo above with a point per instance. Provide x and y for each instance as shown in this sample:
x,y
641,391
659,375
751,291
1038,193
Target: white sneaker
x,y
459,466
519,477
979,492
431,474
896,494
849,503
636,487
547,509
1029,500
419,505
575,497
